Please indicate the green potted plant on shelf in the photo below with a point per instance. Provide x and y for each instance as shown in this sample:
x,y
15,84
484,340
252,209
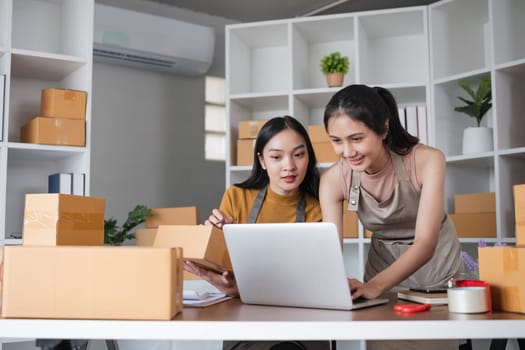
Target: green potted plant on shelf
x,y
335,66
116,235
477,139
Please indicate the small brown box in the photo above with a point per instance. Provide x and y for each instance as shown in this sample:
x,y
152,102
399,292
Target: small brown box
x,y
519,204
62,103
368,234
474,224
249,129
504,269
245,151
520,235
475,203
317,133
131,283
350,222
173,216
63,219
54,131
324,152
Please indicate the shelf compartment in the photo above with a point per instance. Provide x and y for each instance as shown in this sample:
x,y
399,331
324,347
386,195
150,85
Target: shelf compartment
x,y
314,38
509,84
449,124
472,175
54,26
29,151
44,66
508,30
511,172
259,58
308,108
393,47
459,37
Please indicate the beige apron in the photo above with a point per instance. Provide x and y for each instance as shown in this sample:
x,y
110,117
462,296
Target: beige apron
x,y
392,223
300,216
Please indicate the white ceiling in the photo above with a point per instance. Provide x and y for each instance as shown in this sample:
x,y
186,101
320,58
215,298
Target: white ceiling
x,y
262,10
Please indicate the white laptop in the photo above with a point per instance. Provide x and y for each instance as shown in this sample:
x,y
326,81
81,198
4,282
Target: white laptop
x,y
291,264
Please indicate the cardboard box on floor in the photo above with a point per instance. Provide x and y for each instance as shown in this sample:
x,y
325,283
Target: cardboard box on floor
x,y
504,269
73,282
203,244
173,216
63,219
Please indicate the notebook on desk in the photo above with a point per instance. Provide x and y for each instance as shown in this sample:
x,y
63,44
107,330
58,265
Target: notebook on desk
x,y
290,264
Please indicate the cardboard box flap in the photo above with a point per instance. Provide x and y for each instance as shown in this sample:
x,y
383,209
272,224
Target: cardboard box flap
x,y
173,216
203,242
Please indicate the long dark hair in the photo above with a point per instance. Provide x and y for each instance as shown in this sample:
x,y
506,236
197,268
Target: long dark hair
x,y
259,177
372,106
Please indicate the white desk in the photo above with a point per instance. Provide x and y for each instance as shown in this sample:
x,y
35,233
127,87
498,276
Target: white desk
x,y
232,320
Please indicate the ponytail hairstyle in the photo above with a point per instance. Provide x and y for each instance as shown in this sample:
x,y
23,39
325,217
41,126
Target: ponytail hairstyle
x,y
373,106
259,177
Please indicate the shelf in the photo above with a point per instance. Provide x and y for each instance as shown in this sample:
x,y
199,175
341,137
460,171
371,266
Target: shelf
x,y
482,160
44,66
508,30
29,151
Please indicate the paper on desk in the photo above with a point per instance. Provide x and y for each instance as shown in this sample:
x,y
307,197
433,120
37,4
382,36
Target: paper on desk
x,y
210,299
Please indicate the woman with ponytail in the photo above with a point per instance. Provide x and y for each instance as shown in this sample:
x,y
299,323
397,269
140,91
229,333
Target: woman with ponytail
x,y
396,185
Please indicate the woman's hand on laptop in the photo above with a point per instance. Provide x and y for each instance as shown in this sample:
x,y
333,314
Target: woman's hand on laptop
x,y
365,290
224,282
219,219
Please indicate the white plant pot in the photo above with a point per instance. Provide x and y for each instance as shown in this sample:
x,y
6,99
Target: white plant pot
x,y
477,140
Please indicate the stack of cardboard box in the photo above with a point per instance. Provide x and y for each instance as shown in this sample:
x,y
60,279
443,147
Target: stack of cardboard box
x,y
475,214
62,270
324,151
504,267
62,119
248,130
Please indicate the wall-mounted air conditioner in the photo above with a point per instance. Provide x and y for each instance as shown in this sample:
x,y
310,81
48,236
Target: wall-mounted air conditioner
x,y
151,42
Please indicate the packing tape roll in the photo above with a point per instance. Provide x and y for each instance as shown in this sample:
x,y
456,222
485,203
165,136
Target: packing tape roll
x,y
468,300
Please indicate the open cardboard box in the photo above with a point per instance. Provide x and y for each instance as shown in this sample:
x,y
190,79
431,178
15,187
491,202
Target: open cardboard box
x,y
173,216
76,282
202,244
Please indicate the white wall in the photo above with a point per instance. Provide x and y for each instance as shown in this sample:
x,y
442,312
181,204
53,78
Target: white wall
x,y
148,131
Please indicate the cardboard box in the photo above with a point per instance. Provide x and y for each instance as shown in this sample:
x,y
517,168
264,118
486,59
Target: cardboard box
x,y
63,219
245,152
203,244
317,133
474,224
368,234
504,269
173,216
520,235
350,222
62,103
475,203
249,129
54,131
519,204
132,283
324,152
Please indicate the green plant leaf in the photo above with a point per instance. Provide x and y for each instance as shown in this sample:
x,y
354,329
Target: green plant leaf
x,y
335,63
481,101
115,235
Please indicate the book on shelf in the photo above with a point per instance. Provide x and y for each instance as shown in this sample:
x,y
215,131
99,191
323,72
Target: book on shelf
x,y
60,183
422,124
422,297
411,119
79,184
2,104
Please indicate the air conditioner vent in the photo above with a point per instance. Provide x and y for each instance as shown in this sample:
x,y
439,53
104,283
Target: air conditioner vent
x,y
150,61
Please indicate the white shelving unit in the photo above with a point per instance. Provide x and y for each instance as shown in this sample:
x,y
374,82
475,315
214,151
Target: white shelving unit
x,y
272,68
420,54
43,44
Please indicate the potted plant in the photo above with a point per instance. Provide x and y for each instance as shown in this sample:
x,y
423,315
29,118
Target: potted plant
x,y
116,235
335,66
477,139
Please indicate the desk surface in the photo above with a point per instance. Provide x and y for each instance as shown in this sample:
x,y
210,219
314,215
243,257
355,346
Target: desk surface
x,y
233,320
